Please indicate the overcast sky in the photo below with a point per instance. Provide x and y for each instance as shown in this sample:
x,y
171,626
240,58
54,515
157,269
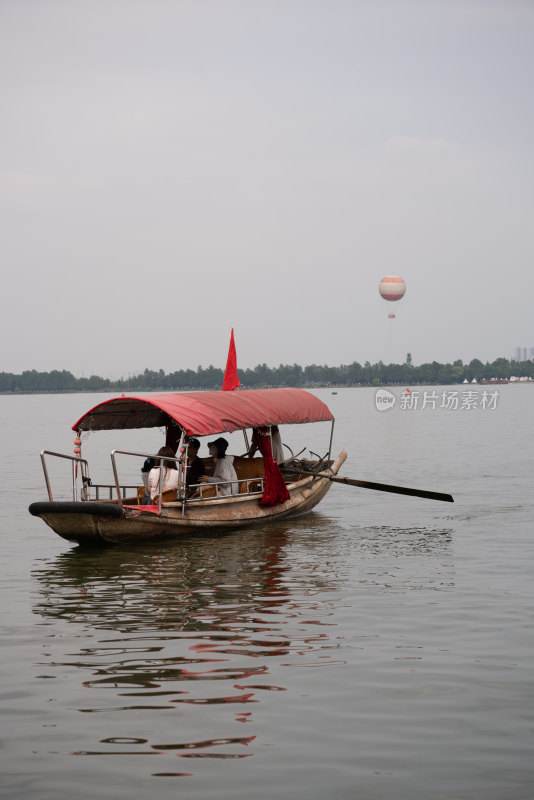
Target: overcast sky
x,y
171,169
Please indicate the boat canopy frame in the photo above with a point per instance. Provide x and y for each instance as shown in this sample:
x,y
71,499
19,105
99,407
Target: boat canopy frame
x,y
207,413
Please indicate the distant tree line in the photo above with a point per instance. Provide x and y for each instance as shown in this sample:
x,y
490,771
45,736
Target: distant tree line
x,y
261,376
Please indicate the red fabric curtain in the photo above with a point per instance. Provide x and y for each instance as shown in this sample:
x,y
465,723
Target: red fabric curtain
x,y
231,381
275,491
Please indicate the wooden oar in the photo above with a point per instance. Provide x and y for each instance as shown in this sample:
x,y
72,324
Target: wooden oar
x,y
380,487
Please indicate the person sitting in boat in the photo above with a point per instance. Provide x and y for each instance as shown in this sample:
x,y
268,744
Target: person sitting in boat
x,y
224,471
145,469
276,443
195,467
170,474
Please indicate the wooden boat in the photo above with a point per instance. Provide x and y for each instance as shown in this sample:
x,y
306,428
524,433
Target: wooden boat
x,y
89,519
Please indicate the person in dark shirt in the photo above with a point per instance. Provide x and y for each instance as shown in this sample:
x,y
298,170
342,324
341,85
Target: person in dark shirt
x,y
195,467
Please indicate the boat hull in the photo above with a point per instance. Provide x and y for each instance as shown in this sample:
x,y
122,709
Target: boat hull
x,y
108,523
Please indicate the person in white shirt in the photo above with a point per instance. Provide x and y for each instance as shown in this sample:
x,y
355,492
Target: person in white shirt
x,y
276,445
224,471
170,474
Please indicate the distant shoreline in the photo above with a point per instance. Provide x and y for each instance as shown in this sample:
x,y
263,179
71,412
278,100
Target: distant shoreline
x,y
313,376
335,387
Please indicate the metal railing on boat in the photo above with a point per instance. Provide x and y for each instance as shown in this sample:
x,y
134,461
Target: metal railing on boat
x,y
190,494
110,490
87,485
84,471
182,489
157,459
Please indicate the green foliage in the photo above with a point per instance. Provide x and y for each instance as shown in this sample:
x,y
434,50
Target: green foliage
x,y
261,376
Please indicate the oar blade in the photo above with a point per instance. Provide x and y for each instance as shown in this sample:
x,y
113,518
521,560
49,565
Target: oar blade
x,y
386,487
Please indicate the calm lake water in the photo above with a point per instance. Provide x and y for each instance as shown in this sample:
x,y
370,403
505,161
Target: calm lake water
x,y
380,647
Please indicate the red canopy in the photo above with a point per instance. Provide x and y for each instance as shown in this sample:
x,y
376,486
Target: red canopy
x,y
205,413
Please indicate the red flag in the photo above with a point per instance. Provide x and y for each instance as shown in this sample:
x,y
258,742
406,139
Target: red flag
x,y
231,381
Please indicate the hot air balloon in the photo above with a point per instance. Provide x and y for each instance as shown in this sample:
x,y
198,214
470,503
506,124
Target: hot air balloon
x,y
392,288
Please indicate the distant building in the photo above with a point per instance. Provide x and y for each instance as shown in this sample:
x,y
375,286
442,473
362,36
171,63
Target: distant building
x,y
523,354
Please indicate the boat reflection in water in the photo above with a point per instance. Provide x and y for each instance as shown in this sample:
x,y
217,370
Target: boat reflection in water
x,y
209,623
193,624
